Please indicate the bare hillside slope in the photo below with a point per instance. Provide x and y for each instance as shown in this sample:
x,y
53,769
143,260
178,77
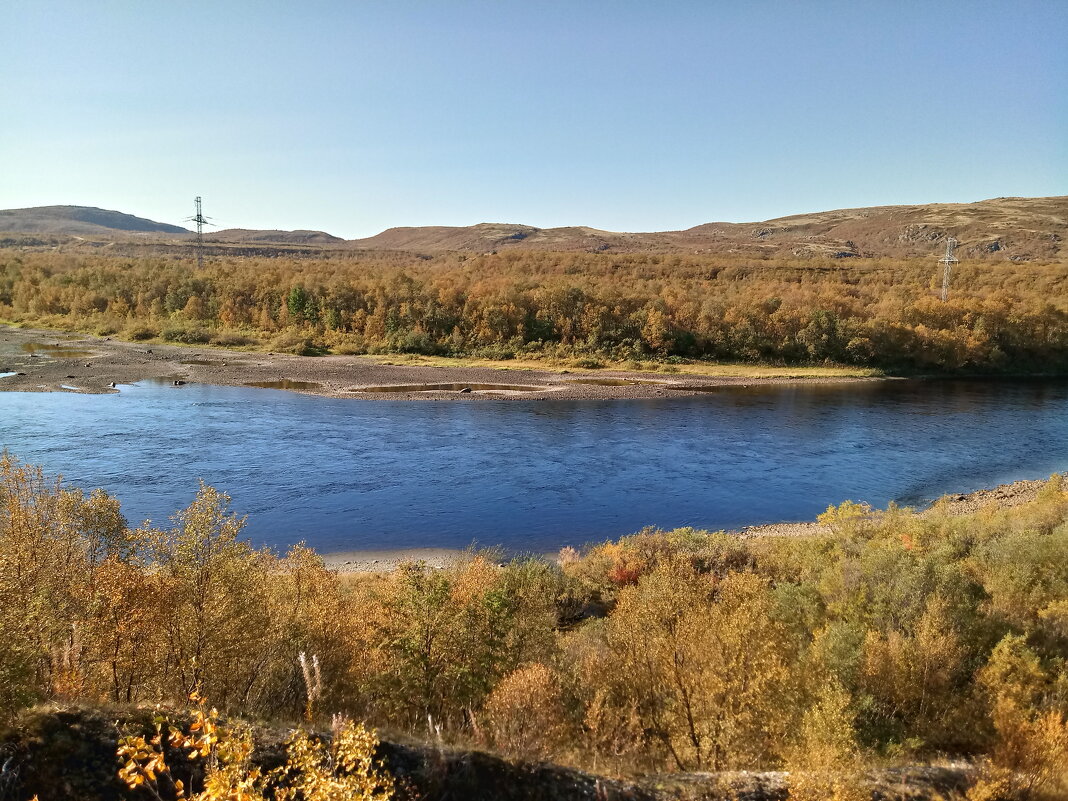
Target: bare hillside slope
x,y
1012,228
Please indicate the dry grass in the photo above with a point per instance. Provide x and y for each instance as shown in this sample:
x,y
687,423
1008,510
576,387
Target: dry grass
x,y
773,371
719,370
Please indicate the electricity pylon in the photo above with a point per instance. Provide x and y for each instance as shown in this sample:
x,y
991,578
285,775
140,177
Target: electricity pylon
x,y
201,221
947,261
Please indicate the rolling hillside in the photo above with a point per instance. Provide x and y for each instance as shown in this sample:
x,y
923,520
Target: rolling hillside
x,y
1015,228
94,222
1018,229
299,237
76,220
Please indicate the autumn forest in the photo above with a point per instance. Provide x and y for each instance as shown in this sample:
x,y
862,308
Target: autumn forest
x,y
1001,317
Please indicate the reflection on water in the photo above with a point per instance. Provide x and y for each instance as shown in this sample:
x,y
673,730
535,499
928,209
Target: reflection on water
x,y
285,383
56,351
538,474
708,387
447,388
614,382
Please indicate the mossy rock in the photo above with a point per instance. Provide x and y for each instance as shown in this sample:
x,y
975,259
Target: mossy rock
x,y
69,753
61,753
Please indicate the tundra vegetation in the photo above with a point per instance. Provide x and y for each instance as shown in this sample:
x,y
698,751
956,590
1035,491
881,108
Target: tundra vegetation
x,y
875,313
895,637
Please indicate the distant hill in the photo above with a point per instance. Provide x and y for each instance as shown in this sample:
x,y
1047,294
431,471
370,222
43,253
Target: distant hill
x,y
1024,228
1014,228
299,237
79,220
494,236
1021,229
91,221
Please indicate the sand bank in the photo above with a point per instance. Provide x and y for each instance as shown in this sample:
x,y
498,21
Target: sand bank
x,y
49,361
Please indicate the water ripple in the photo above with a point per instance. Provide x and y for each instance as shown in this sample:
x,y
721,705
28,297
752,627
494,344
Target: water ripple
x,y
345,474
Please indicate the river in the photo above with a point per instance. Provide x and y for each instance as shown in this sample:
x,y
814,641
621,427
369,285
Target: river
x,y
536,475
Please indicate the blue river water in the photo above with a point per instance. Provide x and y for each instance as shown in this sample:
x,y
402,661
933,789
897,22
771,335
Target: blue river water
x,y
536,475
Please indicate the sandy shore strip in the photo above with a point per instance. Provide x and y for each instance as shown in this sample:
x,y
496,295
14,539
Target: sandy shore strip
x,y
33,360
1004,496
384,561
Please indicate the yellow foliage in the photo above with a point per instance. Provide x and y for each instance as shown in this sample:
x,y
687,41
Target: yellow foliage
x,y
911,676
825,763
846,518
687,649
705,665
344,770
525,713
53,541
622,306
1030,757
226,752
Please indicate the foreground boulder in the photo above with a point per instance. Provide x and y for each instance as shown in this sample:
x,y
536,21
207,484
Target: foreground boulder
x,y
69,753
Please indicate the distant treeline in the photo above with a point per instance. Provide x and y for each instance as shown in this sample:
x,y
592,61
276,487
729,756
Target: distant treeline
x,y
891,636
1001,317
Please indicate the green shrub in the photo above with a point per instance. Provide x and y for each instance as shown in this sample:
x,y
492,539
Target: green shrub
x,y
497,352
349,349
587,363
233,339
193,335
298,344
139,333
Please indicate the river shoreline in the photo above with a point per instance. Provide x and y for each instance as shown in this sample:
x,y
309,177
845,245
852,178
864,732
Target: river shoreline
x,y
1003,496
51,361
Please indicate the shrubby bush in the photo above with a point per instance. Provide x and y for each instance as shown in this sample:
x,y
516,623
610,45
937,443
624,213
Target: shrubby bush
x,y
139,332
177,331
233,339
889,635
878,313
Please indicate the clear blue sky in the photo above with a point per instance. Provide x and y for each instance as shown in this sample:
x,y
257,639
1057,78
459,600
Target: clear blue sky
x,y
352,117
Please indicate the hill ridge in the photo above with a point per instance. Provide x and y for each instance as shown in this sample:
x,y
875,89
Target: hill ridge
x,y
78,220
92,220
1012,228
1009,227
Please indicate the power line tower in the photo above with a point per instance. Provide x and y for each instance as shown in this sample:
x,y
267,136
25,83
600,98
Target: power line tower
x,y
947,262
201,221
